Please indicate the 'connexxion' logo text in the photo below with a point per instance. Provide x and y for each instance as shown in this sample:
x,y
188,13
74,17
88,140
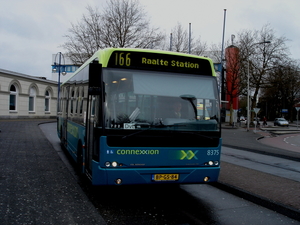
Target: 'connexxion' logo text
x,y
137,152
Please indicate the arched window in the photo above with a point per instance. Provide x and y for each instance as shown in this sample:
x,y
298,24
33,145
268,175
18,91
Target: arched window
x,y
47,101
32,97
13,98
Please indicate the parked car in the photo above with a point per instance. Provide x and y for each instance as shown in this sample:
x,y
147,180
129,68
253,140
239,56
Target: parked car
x,y
242,118
281,122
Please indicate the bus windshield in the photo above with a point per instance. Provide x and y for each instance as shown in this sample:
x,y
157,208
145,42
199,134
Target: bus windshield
x,y
137,99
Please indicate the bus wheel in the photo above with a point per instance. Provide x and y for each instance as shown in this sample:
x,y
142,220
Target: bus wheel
x,y
79,159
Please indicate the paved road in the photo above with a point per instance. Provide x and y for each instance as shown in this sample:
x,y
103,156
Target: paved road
x,y
35,186
293,140
262,141
217,206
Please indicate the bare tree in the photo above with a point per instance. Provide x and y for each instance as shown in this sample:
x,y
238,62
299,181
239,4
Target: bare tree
x,y
215,52
259,52
283,89
199,47
180,41
122,23
125,24
84,37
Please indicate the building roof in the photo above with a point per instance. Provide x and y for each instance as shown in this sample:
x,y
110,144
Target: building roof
x,y
21,75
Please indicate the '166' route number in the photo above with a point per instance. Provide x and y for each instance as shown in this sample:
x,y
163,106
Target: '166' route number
x,y
213,152
122,59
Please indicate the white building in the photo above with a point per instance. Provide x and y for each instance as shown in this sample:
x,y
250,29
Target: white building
x,y
24,96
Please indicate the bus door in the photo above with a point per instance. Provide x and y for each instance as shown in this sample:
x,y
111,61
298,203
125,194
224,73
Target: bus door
x,y
90,125
93,117
93,131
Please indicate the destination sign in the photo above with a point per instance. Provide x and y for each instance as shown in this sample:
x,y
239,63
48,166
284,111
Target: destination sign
x,y
160,62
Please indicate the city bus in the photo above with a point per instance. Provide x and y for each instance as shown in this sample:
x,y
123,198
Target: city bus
x,y
135,116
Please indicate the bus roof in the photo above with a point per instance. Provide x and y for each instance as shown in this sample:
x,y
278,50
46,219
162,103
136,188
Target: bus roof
x,y
104,55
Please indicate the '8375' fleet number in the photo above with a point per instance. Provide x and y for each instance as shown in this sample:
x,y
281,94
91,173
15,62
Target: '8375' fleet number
x,y
213,152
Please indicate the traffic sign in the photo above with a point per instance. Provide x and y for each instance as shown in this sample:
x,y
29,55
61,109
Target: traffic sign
x,y
256,110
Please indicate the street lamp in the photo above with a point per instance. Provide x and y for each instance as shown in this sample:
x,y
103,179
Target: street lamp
x,y
61,69
248,104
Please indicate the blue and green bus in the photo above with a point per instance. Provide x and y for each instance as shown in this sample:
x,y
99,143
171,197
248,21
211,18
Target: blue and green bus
x,y
138,116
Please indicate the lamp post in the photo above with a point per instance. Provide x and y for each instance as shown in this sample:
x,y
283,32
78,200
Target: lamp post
x,y
248,100
221,79
60,70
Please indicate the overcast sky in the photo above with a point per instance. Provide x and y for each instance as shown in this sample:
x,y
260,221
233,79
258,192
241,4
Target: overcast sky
x,y
32,30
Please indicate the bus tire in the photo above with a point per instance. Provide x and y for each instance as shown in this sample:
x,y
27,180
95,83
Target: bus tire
x,y
79,165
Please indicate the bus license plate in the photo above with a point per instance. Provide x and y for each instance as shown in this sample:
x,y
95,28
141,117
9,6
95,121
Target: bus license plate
x,y
165,177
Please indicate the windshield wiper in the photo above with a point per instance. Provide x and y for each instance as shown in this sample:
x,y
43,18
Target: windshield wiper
x,y
190,98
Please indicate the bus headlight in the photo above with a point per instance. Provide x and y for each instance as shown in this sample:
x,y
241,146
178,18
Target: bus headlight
x,y
212,163
113,164
118,181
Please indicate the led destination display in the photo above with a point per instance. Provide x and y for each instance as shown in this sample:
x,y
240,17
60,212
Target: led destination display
x,y
160,62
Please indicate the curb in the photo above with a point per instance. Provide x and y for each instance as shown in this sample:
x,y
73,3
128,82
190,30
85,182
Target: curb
x,y
256,199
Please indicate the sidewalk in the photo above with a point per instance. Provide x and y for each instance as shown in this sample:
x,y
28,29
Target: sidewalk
x,y
262,141
35,186
274,192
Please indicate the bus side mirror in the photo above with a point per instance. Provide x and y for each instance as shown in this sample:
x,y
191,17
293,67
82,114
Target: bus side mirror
x,y
95,78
